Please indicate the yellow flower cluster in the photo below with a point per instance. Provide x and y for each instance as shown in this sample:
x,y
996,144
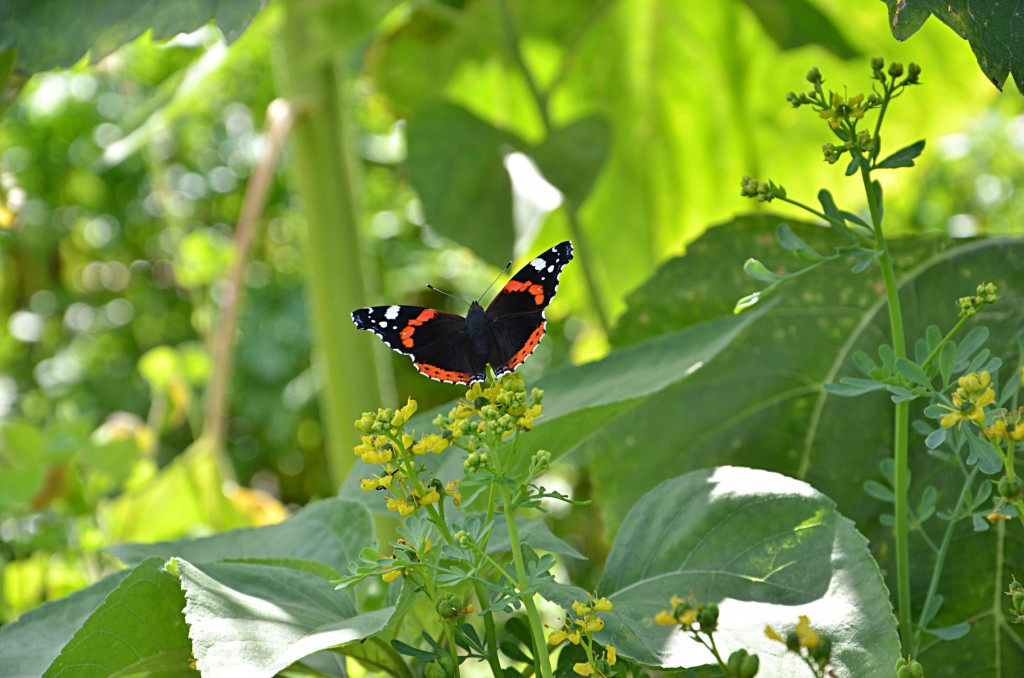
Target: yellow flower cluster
x,y
805,635
579,630
973,394
843,109
1008,425
682,614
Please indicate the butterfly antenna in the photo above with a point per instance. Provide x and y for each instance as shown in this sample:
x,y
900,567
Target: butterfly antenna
x,y
503,272
448,294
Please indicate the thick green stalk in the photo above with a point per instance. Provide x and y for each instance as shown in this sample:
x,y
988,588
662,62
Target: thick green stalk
x,y
326,176
540,645
901,424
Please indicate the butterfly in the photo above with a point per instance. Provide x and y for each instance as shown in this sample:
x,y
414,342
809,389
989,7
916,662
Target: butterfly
x,y
455,349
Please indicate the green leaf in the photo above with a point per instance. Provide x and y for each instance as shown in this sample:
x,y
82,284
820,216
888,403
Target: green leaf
x,y
58,34
330,531
456,164
796,23
755,269
950,632
903,157
257,620
30,644
22,465
913,372
766,549
947,359
571,157
990,28
779,415
536,533
794,243
905,18
879,491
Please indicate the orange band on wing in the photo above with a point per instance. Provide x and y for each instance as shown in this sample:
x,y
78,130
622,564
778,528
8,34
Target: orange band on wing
x,y
407,332
531,343
527,286
443,375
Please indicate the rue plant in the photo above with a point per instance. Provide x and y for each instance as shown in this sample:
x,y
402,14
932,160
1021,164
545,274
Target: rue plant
x,y
973,422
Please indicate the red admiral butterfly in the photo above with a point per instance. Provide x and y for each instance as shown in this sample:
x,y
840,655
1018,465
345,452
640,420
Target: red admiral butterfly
x,y
447,347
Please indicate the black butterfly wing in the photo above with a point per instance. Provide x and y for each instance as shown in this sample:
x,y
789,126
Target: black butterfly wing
x,y
437,342
516,316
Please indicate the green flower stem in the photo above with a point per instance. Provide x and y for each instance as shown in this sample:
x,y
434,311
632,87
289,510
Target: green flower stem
x,y
453,648
901,424
940,557
490,635
945,340
540,649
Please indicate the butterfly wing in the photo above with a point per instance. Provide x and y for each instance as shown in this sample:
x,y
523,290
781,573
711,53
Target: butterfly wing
x,y
437,342
516,316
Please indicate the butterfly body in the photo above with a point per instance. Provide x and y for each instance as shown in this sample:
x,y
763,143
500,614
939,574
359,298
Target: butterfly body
x,y
457,349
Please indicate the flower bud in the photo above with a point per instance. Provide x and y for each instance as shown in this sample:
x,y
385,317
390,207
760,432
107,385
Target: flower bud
x,y
895,69
814,76
749,666
1011,489
877,64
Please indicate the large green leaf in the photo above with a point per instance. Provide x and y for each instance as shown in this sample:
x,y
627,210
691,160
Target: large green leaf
x,y
57,34
992,28
456,164
762,402
331,532
30,644
255,620
571,157
766,549
125,624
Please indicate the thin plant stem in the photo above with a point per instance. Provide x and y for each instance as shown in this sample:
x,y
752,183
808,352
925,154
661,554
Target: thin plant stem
x,y
540,649
940,557
901,423
582,251
278,124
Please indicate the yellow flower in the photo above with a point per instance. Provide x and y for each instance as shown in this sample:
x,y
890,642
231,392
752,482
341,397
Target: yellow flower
x,y
451,489
583,669
400,506
665,618
391,575
610,655
574,636
602,605
430,443
595,624
368,484
403,415
580,608
808,636
557,637
431,497
773,634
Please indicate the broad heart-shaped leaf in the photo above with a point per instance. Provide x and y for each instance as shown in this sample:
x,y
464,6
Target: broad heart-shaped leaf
x,y
766,549
126,624
579,401
30,644
992,29
255,620
571,157
330,531
456,163
762,403
57,34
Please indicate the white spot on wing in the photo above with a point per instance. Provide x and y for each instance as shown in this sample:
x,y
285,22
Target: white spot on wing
x,y
551,269
538,264
391,313
383,323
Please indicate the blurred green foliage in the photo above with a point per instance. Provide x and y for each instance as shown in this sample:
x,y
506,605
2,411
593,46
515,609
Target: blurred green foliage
x,y
127,178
